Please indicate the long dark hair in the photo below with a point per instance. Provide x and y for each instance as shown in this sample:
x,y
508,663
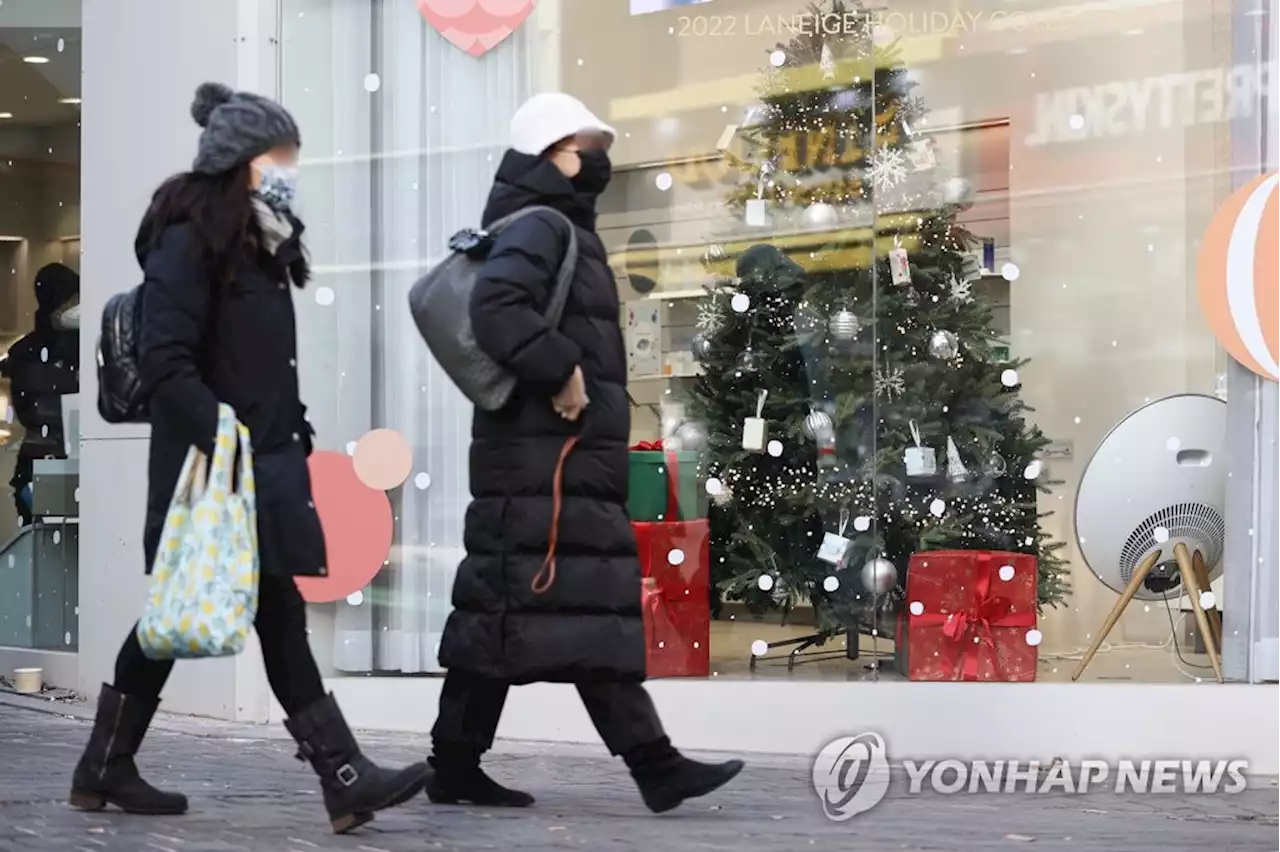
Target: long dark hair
x,y
220,208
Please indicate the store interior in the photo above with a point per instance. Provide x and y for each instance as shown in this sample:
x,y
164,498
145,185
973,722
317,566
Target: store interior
x,y
1092,219
40,62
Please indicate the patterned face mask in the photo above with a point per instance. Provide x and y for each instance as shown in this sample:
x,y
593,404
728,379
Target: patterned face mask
x,y
278,186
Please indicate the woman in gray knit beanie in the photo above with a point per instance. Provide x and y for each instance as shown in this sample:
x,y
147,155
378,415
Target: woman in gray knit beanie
x,y
221,251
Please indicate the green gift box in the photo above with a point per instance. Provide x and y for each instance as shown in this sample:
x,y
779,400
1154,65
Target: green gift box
x,y
651,482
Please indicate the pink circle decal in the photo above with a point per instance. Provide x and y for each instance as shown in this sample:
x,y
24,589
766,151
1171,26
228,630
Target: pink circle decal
x,y
383,459
358,528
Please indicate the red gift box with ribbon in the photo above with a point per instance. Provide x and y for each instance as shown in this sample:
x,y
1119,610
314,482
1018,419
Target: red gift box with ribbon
x,y
675,562
971,615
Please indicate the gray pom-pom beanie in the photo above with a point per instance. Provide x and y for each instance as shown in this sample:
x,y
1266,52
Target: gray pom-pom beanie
x,y
238,126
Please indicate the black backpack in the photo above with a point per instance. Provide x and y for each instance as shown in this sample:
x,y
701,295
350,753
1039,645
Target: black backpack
x,y
120,395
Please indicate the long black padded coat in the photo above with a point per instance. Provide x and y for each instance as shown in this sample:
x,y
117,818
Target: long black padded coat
x,y
202,343
588,624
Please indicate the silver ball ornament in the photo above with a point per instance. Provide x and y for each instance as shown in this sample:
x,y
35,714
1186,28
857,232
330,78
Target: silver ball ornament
x,y
995,465
820,214
818,425
750,361
879,576
944,345
714,253
691,436
957,191
843,325
700,346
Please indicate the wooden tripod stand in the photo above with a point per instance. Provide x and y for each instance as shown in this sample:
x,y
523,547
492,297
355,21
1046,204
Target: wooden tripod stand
x,y
1195,580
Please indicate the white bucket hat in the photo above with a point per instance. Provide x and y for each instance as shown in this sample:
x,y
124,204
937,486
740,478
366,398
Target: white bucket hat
x,y
545,119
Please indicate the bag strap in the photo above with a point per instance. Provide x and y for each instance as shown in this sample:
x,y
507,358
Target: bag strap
x,y
224,449
542,584
568,264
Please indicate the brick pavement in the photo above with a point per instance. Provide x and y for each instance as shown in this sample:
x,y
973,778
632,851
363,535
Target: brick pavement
x,y
250,795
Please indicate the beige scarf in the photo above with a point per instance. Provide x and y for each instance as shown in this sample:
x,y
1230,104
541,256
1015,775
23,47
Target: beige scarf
x,y
276,229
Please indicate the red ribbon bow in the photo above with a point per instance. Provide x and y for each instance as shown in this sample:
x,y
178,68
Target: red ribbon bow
x,y
648,446
972,626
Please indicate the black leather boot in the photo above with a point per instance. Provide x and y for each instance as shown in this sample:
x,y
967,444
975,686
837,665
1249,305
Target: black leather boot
x,y
106,773
459,778
354,787
666,777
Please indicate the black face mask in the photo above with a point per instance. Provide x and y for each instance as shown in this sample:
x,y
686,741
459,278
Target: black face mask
x,y
595,173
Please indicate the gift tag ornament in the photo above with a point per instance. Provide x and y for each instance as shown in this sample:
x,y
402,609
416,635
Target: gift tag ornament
x,y
920,460
754,429
899,265
475,26
835,545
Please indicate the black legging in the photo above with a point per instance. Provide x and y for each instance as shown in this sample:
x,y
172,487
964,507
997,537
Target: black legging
x,y
282,630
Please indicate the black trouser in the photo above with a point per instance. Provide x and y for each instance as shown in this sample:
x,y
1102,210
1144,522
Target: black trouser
x,y
282,630
470,706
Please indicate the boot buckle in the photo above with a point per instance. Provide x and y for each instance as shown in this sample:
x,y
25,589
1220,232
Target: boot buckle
x,y
347,775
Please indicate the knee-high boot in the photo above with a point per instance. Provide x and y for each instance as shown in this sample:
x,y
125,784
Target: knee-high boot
x,y
354,787
106,773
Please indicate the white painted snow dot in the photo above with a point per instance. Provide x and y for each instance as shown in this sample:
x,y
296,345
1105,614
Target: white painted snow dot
x,y
1034,637
663,181
1010,272
777,59
1009,378
759,648
741,303
675,556
862,523
831,583
937,508
765,582
44,354
714,486
1033,470
324,296
1160,534
917,608
372,82
775,448
1207,600
422,481
1076,121
1006,573
355,598
57,536
351,448
1173,444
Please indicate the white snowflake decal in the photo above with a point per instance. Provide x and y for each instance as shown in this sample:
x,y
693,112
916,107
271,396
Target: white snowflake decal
x,y
710,316
890,383
888,168
961,291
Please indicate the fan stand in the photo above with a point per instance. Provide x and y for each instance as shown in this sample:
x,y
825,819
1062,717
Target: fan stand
x,y
1195,579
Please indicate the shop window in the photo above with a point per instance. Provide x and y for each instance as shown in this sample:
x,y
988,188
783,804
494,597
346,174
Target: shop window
x,y
40,60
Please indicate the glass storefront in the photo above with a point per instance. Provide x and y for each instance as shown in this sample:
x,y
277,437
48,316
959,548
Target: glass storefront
x,y
950,254
40,56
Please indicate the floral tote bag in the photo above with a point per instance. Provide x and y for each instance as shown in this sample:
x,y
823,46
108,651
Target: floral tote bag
x,y
204,591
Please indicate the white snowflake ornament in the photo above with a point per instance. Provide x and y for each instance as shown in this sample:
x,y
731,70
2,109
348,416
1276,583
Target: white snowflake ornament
x,y
961,291
710,316
887,169
889,383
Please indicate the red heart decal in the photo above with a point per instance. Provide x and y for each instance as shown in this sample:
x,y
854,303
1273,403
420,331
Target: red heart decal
x,y
475,26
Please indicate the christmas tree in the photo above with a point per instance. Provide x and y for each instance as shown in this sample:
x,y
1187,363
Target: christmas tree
x,y
892,422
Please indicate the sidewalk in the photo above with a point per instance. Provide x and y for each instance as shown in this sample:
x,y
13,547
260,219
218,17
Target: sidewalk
x,y
250,795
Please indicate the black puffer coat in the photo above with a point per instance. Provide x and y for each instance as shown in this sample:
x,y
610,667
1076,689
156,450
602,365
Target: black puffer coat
x,y
203,343
588,624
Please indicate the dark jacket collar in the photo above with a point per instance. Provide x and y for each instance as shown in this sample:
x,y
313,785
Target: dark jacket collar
x,y
524,181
